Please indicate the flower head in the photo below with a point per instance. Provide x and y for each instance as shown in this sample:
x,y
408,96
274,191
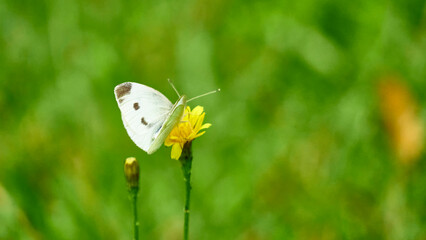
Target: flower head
x,y
131,172
186,130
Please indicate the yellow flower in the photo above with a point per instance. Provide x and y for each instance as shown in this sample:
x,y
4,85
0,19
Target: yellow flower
x,y
186,130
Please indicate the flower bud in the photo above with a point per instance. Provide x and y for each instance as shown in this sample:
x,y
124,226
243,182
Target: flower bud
x,y
131,171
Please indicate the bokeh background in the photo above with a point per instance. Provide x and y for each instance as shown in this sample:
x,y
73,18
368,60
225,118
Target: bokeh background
x,y
318,132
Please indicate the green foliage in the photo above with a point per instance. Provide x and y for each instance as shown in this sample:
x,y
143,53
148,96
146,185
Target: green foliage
x,y
297,150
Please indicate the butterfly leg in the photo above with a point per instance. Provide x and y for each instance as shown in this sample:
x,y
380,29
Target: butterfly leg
x,y
183,116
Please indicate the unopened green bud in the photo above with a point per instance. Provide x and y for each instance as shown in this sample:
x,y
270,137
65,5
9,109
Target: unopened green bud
x,y
131,171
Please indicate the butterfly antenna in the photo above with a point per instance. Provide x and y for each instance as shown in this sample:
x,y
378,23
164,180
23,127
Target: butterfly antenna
x,y
173,86
205,94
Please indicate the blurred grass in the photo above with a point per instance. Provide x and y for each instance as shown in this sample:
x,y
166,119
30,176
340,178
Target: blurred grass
x,y
299,147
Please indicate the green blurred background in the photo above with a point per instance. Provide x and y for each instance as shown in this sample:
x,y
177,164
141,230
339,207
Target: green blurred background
x,y
307,139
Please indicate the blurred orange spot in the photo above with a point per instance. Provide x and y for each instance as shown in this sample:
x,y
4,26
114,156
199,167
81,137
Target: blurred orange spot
x,y
401,119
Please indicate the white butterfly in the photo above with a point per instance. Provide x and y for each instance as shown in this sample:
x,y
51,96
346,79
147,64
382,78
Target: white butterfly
x,y
148,115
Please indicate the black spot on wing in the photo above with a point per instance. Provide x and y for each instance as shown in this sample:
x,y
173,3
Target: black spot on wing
x,y
144,122
136,106
123,89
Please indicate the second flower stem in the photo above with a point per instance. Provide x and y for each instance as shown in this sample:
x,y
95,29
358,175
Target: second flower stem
x,y
134,199
186,162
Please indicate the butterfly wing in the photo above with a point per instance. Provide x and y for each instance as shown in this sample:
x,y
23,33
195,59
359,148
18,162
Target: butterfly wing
x,y
144,111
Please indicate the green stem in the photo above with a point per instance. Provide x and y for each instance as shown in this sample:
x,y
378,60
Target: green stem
x,y
134,196
186,162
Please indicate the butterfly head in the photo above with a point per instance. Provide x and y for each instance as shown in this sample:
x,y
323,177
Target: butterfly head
x,y
181,101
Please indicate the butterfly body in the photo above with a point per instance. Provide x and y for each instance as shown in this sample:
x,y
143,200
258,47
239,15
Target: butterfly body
x,y
147,115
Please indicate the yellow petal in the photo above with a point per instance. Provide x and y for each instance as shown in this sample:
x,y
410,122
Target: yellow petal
x,y
185,117
207,125
197,110
200,134
191,137
171,140
176,151
174,137
200,120
168,142
186,131
186,113
193,120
